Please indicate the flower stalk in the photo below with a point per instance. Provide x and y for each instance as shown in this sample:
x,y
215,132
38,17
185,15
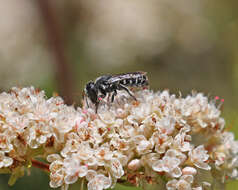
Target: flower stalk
x,y
40,165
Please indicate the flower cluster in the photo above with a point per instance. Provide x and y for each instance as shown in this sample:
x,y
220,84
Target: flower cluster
x,y
31,126
178,143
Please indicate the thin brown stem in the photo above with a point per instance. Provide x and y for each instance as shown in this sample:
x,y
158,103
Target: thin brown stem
x,y
56,45
40,165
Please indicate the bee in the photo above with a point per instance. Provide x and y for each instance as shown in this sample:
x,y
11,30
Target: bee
x,y
110,84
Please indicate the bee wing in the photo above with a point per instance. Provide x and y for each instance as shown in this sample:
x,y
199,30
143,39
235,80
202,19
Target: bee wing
x,y
116,78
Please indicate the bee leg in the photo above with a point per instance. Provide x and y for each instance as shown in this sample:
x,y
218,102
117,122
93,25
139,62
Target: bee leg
x,y
85,98
108,97
87,101
96,107
113,95
108,100
121,87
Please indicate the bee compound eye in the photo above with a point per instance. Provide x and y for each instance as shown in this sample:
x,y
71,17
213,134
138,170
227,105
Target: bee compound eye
x,y
89,86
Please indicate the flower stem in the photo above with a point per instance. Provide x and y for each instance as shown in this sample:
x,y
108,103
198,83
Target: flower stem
x,y
40,165
82,184
64,74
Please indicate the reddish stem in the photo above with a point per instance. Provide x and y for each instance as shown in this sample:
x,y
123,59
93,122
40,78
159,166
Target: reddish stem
x,y
56,44
40,165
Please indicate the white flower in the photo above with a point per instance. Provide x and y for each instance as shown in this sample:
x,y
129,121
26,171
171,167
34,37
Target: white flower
x,y
74,169
4,160
57,174
53,157
143,146
72,144
166,125
84,152
180,143
170,164
103,154
134,164
115,168
161,142
107,117
189,171
229,143
198,156
5,144
56,180
184,183
119,143
220,158
98,182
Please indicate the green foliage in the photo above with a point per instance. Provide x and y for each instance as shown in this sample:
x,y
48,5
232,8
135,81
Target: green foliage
x,y
17,173
232,185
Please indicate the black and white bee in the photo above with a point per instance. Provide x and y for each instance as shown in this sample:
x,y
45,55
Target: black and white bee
x,y
110,84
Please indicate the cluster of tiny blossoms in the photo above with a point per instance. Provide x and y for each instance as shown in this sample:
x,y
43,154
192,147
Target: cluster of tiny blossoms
x,y
175,142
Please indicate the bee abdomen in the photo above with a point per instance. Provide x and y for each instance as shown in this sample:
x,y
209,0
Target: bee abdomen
x,y
135,81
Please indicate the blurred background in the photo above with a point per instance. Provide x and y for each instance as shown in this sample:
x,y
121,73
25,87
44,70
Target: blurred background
x,y
58,46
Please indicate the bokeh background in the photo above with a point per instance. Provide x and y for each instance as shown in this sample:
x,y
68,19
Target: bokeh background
x,y
59,45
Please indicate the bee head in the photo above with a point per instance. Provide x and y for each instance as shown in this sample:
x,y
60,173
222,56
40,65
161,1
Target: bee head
x,y
91,92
